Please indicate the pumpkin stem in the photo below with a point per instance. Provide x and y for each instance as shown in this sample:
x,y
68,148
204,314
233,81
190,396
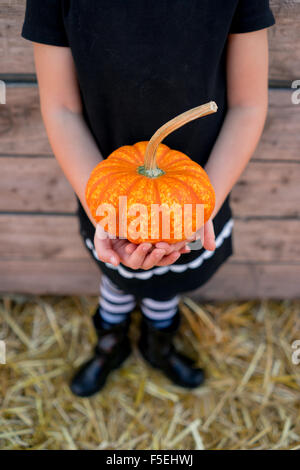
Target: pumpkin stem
x,y
150,167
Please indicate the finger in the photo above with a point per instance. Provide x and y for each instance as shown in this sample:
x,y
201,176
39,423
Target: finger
x,y
169,259
105,251
185,250
153,258
130,248
164,246
136,259
209,242
119,244
170,247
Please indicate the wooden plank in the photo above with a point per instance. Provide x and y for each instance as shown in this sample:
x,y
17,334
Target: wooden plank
x,y
22,131
284,40
232,281
34,185
16,53
40,237
17,57
21,128
252,281
38,185
268,189
35,237
281,136
267,240
51,277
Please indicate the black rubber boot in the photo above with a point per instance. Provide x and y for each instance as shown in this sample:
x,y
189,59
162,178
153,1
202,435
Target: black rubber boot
x,y
112,349
157,348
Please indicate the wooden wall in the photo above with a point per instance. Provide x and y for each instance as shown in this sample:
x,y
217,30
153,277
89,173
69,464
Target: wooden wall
x,y
40,250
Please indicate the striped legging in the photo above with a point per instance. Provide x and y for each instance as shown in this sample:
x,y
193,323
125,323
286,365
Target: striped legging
x,y
115,305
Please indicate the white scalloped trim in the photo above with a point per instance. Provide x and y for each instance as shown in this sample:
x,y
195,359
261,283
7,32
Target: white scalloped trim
x,y
175,268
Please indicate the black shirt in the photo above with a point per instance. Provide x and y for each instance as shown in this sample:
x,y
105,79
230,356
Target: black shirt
x,y
139,64
142,62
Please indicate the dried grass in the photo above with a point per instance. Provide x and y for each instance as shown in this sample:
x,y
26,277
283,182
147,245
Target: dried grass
x,y
251,399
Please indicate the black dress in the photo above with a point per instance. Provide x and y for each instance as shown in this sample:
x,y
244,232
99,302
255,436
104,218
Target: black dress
x,y
139,64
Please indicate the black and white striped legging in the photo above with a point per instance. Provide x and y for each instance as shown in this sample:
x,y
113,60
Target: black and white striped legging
x,y
115,305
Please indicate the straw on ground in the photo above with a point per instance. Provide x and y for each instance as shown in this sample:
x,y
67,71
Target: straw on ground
x,y
251,399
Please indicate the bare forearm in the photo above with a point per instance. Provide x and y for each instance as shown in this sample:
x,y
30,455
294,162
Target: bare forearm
x,y
74,148
233,149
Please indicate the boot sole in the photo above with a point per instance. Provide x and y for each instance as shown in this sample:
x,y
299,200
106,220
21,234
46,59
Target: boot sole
x,y
101,385
171,379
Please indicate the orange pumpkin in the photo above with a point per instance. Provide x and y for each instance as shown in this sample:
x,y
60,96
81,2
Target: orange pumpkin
x,y
150,175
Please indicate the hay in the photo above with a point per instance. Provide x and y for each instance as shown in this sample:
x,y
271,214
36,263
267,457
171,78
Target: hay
x,y
251,399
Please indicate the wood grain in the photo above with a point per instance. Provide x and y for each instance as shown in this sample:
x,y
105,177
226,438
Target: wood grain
x,y
16,53
284,40
265,240
268,189
40,237
252,281
47,238
281,136
52,277
232,281
22,130
34,184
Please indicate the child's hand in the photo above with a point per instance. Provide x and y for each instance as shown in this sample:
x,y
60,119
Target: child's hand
x,y
207,236
143,256
206,233
180,247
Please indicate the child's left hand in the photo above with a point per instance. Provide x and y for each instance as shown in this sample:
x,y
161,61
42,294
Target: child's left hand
x,y
207,236
206,233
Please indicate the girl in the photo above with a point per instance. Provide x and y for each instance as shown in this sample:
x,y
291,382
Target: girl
x,y
110,73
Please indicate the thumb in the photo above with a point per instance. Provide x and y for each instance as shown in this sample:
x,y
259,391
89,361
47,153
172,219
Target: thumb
x,y
104,248
209,241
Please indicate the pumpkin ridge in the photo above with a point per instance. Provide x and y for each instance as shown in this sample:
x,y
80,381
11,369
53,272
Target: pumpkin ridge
x,y
157,191
128,191
158,201
160,162
105,187
203,178
89,199
180,201
186,185
164,156
176,160
137,154
137,150
206,205
118,159
126,149
104,164
95,184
